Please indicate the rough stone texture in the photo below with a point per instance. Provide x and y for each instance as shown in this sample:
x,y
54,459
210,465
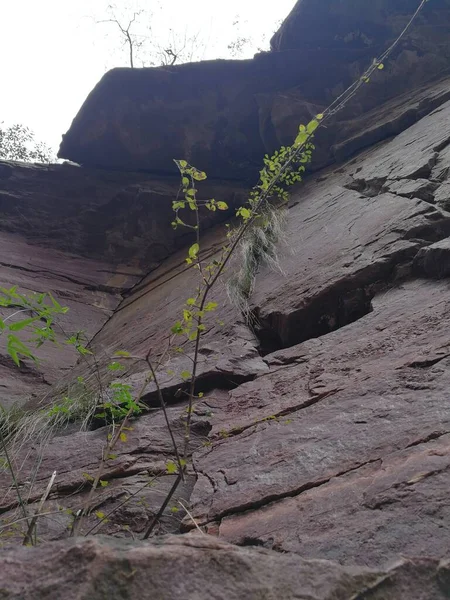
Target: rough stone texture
x,y
222,116
200,568
352,422
336,451
350,450
351,25
134,479
325,431
434,260
88,237
121,218
229,354
373,233
90,289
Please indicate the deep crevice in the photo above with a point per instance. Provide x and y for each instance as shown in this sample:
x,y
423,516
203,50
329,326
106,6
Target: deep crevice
x,y
350,299
368,188
178,392
330,311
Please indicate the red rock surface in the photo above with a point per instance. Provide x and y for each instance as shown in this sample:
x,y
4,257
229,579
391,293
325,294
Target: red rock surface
x,y
323,431
199,568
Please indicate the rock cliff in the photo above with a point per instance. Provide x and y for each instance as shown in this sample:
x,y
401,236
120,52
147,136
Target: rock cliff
x,y
322,438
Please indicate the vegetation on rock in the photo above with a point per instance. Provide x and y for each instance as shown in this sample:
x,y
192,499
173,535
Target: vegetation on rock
x,y
255,233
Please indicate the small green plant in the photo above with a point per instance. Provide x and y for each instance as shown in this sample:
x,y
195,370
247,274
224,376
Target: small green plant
x,y
39,311
120,404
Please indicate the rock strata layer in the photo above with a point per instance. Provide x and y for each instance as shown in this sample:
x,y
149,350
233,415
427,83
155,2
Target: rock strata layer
x,y
201,568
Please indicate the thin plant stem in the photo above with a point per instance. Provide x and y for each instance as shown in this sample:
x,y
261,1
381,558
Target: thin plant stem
x,y
162,507
14,478
28,536
116,508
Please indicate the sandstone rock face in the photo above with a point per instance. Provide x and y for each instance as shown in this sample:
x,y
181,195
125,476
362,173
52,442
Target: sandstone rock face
x,y
325,431
352,25
355,254
321,433
194,568
434,260
88,237
121,218
222,116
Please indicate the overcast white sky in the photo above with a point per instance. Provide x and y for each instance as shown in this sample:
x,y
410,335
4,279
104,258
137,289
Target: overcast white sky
x,y
53,52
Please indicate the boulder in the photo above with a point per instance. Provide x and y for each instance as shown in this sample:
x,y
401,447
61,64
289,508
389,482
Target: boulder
x,y
200,568
223,116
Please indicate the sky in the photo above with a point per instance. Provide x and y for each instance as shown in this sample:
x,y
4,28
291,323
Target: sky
x,y
53,52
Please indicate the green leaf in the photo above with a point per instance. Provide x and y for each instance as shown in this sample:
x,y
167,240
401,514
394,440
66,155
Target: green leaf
x,y
199,175
190,301
381,66
82,350
103,483
178,204
193,251
301,139
210,306
185,375
222,205
123,437
178,328
115,366
312,126
100,514
243,212
22,324
123,353
15,347
171,467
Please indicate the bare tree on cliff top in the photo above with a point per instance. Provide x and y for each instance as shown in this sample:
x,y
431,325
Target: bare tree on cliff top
x,y
155,37
142,39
